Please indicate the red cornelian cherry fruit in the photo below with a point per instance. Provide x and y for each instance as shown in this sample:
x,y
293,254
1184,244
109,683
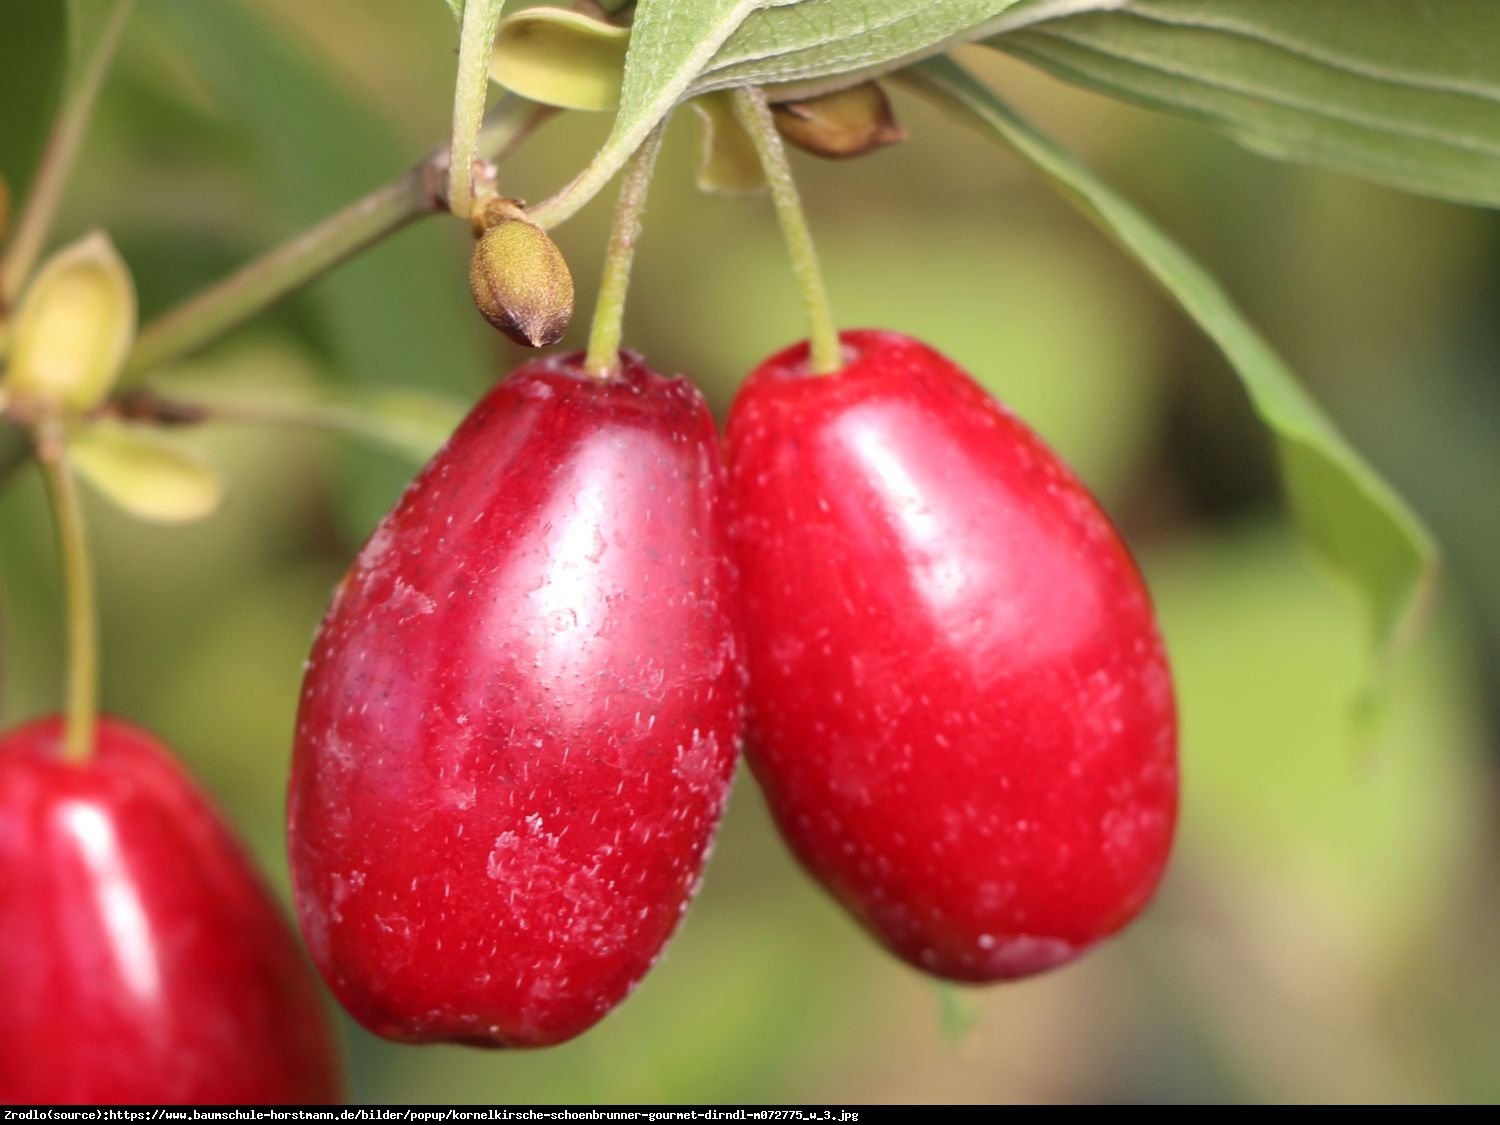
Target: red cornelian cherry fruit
x,y
960,708
143,960
521,715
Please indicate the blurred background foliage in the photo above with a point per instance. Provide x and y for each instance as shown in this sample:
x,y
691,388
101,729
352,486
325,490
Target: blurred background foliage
x,y
1327,930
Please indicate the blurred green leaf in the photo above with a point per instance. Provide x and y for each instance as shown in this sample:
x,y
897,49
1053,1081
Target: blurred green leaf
x,y
1342,507
320,149
1359,848
145,473
559,57
1402,91
33,64
398,315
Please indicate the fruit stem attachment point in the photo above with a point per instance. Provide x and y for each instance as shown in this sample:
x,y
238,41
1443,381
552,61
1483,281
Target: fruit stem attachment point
x,y
475,46
57,158
754,114
603,356
78,587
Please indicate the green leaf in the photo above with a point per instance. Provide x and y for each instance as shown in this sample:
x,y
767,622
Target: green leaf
x,y
671,41
799,47
1351,517
145,473
679,48
807,48
74,327
33,63
562,58
1406,92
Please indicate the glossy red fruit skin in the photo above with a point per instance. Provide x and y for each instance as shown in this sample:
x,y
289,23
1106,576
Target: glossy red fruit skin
x,y
961,713
143,961
521,715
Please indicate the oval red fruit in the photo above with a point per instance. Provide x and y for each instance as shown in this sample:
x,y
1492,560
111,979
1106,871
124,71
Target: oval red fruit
x,y
143,960
521,715
960,709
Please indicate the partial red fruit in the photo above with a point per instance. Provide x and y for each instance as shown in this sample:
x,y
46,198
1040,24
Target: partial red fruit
x,y
960,710
521,715
142,959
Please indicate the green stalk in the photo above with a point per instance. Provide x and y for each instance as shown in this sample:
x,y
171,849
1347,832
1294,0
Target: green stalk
x,y
603,356
78,585
259,284
256,286
475,46
58,157
825,352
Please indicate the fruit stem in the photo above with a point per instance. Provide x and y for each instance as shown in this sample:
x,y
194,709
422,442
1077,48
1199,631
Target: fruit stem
x,y
476,44
78,585
603,357
754,114
257,285
57,158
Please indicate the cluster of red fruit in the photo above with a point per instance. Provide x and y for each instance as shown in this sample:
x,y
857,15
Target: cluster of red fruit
x,y
523,709
522,712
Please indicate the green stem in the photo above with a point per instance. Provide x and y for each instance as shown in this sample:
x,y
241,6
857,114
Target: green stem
x,y
57,159
475,46
603,357
78,583
192,409
825,351
261,283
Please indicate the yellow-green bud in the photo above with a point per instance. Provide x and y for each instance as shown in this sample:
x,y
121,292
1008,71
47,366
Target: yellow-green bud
x,y
73,328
